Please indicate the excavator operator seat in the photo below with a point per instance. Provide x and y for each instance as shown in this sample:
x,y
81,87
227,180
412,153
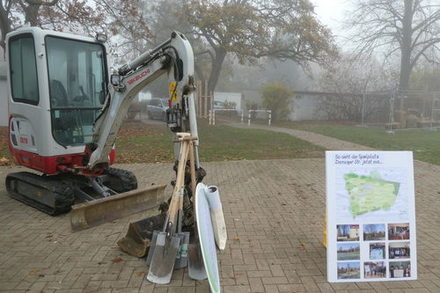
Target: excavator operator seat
x,y
58,94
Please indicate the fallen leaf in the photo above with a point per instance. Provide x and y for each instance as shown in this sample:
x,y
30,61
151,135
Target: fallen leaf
x,y
34,272
140,274
117,260
4,161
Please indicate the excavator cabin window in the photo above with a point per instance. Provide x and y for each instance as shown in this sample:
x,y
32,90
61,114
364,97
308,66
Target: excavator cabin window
x,y
23,69
77,88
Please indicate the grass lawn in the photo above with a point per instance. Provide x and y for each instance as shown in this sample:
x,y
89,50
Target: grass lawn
x,y
140,143
150,143
424,143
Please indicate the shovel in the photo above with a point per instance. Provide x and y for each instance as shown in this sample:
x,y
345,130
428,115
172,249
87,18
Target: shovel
x,y
167,245
196,268
182,256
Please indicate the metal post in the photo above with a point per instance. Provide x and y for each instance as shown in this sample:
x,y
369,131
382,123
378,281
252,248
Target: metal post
x,y
249,117
391,113
270,116
363,109
209,117
242,118
432,109
213,117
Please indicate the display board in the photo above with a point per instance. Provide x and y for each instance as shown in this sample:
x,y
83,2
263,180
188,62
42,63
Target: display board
x,y
371,229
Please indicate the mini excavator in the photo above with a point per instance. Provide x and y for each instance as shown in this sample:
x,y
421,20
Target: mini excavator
x,y
65,112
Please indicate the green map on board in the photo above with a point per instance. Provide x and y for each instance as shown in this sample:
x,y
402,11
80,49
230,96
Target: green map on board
x,y
370,193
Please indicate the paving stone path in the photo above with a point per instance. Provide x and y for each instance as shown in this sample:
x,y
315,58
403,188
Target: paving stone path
x,y
327,142
274,211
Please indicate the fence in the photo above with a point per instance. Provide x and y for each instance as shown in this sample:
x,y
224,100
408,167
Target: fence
x,y
414,109
212,115
269,117
390,109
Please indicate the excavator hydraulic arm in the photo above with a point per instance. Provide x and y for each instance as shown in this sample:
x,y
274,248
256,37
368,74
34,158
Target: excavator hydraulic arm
x,y
173,57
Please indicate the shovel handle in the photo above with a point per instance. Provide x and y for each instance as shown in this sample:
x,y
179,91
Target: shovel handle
x,y
180,180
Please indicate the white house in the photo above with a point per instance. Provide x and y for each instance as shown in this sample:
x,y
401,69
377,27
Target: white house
x,y
305,106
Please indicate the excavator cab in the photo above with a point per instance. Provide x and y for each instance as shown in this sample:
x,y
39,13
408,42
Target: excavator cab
x,y
57,89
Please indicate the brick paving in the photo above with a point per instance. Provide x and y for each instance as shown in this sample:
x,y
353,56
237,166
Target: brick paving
x,y
274,212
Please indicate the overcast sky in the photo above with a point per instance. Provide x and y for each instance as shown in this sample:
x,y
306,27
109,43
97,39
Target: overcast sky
x,y
331,13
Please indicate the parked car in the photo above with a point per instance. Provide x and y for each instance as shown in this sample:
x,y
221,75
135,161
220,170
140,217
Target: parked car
x,y
157,109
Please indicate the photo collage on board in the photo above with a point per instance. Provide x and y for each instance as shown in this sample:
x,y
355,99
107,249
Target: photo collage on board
x,y
373,251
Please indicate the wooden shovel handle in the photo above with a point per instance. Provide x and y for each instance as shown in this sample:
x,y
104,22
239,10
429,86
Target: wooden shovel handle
x,y
175,200
187,138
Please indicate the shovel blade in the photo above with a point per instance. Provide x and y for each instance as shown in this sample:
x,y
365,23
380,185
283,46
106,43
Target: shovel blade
x,y
182,256
196,268
164,258
152,247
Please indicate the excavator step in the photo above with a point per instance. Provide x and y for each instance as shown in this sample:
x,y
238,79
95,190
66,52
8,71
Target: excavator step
x,y
50,196
89,214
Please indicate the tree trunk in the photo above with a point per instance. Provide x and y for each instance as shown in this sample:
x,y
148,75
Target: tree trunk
x,y
199,73
31,14
217,63
5,27
405,58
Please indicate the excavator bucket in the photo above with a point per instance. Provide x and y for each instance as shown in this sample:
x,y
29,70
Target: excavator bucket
x,y
94,213
140,235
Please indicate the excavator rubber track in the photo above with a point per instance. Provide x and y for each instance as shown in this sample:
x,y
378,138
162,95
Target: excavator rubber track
x,y
50,196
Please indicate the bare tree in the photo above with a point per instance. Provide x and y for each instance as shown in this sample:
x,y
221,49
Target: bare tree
x,y
408,28
353,85
5,20
129,22
124,19
53,14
